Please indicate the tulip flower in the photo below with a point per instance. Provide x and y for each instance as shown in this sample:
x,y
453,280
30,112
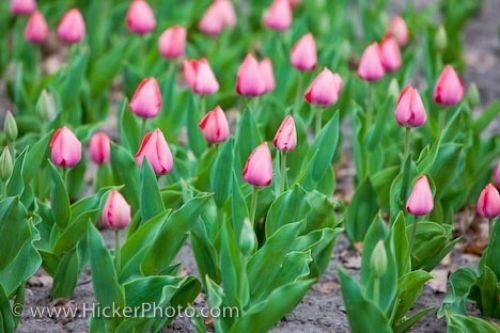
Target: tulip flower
x,y
22,7
226,12
116,212
249,81
390,54
258,170
172,42
303,55
410,110
279,15
420,202
497,174
488,204
211,23
449,88
267,75
140,18
325,89
370,66
147,100
214,126
66,150
285,140
99,149
199,77
155,149
36,30
399,30
71,29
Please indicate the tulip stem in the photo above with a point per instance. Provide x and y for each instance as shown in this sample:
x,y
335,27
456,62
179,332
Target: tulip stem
x,y
143,127
376,290
490,228
255,197
4,189
407,142
319,114
117,250
369,106
441,121
283,172
413,235
299,92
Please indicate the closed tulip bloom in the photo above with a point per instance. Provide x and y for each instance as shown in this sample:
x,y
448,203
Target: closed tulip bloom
x,y
140,18
421,201
66,150
391,56
279,15
370,67
116,212
155,149
488,204
325,89
22,7
147,100
199,77
258,170
449,88
410,110
399,30
172,42
497,174
214,126
286,137
303,55
249,81
211,23
37,29
99,149
71,29
226,12
267,75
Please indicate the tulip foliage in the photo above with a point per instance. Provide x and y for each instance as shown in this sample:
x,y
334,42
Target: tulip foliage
x,y
228,127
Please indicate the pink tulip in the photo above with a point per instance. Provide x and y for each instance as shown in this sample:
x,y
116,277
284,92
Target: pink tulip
x,y
140,18
36,30
325,89
303,55
286,137
258,169
211,22
226,12
71,29
172,42
147,100
199,77
497,174
66,150
279,15
410,111
449,88
116,212
249,81
295,3
370,67
421,201
267,75
391,56
22,7
214,126
399,30
99,149
488,204
155,149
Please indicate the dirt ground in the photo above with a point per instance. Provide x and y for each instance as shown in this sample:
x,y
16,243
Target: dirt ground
x,y
322,309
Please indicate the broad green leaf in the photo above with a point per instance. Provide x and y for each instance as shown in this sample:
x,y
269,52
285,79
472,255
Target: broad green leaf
x,y
130,132
361,211
151,202
66,275
221,179
60,198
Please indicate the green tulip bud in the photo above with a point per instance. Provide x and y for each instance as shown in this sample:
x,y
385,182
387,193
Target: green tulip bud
x,y
473,95
248,241
440,39
394,90
10,127
378,260
43,106
6,165
345,50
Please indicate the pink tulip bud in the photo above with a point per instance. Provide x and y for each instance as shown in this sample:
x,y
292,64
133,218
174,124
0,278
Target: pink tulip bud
x,y
267,75
22,7
497,174
71,29
214,126
147,100
211,23
295,3
325,89
66,150
286,137
303,55
258,169
391,56
249,81
399,30
37,29
370,67
449,88
420,202
172,42
199,77
279,15
155,149
488,204
99,150
116,212
410,111
140,18
226,12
